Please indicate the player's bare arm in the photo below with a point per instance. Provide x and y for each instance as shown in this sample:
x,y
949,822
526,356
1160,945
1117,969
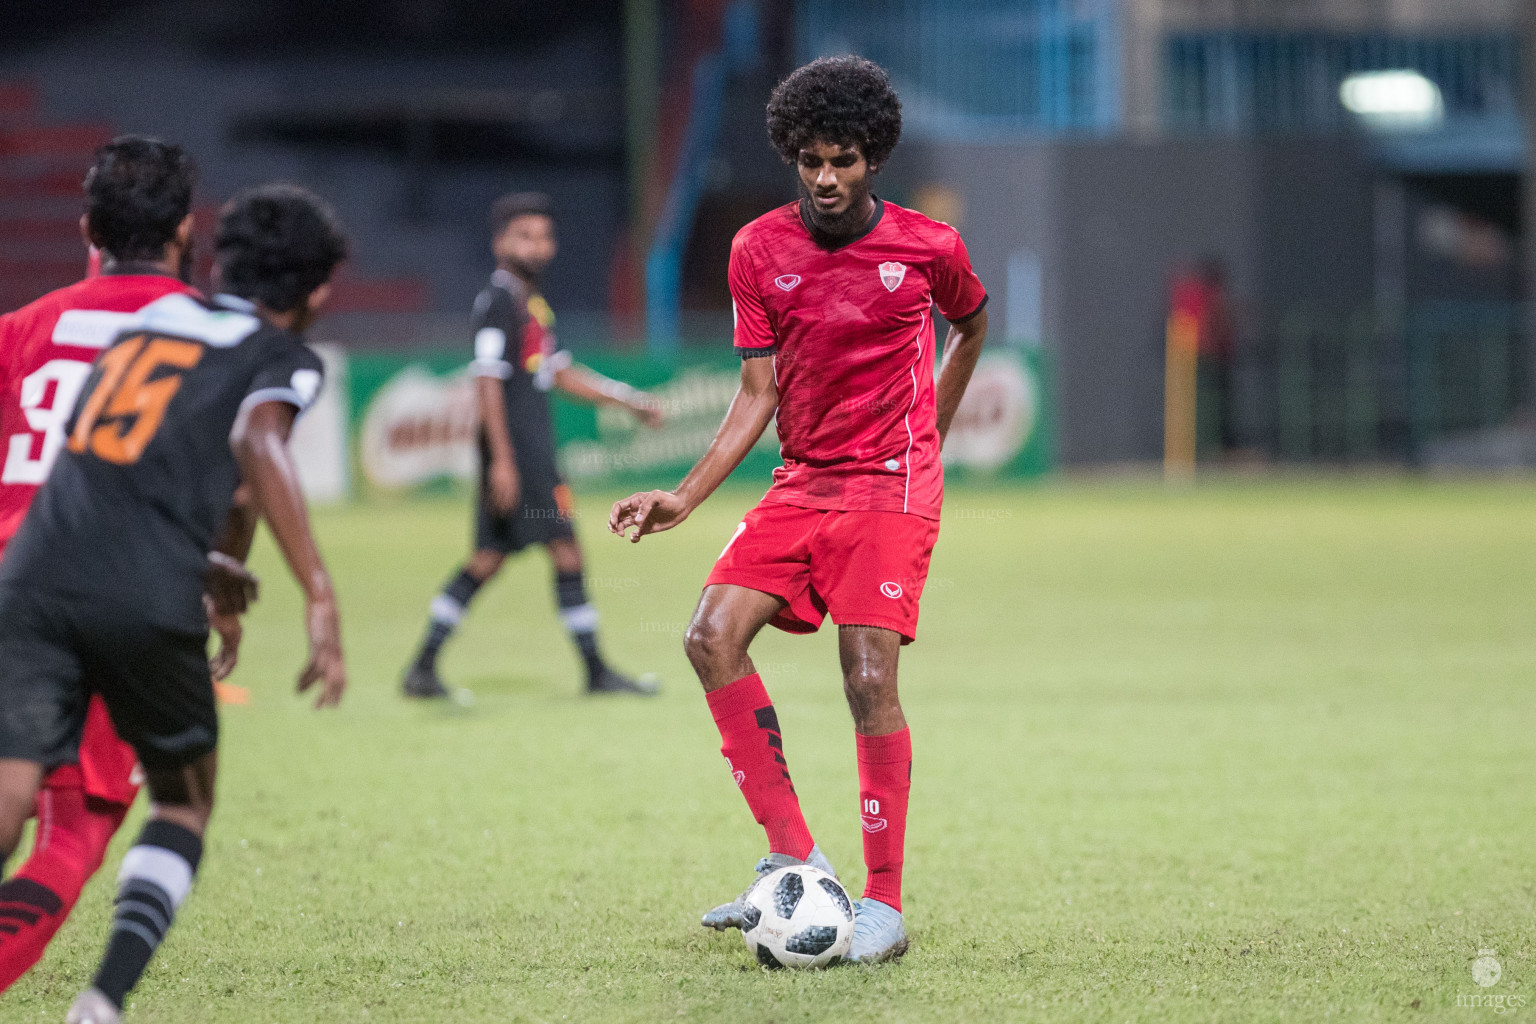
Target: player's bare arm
x,y
260,443
231,587
962,347
749,415
587,385
506,487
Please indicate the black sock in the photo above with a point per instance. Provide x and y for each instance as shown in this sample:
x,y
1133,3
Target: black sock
x,y
447,609
155,878
580,620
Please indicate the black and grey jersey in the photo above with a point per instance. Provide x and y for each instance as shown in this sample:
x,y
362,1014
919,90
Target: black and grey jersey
x,y
147,475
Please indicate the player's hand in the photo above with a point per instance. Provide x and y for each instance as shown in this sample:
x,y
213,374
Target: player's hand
x,y
647,512
229,630
506,488
230,586
326,665
648,412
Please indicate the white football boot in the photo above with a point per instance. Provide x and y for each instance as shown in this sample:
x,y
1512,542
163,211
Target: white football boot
x,y
91,1007
878,933
733,914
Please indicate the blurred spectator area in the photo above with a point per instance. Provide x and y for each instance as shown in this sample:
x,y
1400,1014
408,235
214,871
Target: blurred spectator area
x,y
410,117
40,241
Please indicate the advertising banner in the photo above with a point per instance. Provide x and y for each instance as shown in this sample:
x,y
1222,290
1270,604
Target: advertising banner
x,y
414,421
319,442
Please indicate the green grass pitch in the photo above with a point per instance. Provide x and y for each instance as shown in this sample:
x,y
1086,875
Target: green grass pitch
x,y
1256,751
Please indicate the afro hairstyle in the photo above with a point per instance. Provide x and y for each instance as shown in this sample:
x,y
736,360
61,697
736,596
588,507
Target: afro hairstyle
x,y
844,100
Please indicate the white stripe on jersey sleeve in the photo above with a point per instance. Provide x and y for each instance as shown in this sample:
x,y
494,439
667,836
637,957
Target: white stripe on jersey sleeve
x,y
491,353
303,389
184,317
90,328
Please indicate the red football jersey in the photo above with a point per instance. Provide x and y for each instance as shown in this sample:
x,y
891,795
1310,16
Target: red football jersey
x,y
852,337
46,351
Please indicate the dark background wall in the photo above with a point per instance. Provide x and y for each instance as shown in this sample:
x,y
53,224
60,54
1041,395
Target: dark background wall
x,y
1112,221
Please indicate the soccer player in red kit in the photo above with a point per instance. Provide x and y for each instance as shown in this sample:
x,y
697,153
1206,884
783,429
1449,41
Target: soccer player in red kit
x,y
833,297
138,197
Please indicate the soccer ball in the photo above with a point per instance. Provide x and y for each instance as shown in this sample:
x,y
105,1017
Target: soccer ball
x,y
798,917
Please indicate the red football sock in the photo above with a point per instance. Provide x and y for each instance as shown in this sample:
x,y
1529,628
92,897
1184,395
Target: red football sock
x,y
754,750
885,779
73,831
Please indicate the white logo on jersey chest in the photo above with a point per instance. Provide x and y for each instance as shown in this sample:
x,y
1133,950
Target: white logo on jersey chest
x,y
787,282
892,274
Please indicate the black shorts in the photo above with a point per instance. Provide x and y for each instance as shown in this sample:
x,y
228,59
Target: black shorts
x,y
546,514
57,649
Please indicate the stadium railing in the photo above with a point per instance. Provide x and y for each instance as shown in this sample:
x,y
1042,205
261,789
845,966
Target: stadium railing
x,y
1317,385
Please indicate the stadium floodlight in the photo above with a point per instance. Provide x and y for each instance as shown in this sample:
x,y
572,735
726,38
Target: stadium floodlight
x,y
1393,99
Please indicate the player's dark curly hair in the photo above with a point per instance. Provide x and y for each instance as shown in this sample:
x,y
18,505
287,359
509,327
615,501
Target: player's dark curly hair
x,y
844,100
277,243
136,194
519,204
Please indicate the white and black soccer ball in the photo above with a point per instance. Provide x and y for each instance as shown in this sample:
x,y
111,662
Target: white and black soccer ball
x,y
798,916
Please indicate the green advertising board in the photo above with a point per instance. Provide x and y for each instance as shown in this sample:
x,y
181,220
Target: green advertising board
x,y
413,421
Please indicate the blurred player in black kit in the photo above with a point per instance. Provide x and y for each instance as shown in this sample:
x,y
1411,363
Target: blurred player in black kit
x,y
102,589
522,498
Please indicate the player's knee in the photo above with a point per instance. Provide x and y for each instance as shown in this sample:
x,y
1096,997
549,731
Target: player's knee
x,y
867,684
708,645
192,817
701,643
11,824
485,564
565,555
183,796
18,794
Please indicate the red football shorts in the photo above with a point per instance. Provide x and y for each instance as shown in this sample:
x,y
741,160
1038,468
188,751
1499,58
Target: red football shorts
x,y
108,767
866,568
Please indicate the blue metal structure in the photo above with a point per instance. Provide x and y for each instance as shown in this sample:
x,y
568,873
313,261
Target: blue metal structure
x,y
664,262
1244,83
973,68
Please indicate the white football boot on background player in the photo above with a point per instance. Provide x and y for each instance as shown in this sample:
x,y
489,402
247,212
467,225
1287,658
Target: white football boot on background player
x,y
91,1007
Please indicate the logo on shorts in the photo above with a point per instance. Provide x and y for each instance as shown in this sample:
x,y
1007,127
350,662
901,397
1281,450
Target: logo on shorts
x,y
891,590
787,282
892,274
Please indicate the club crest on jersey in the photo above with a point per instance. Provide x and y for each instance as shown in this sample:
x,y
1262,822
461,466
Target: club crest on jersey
x,y
892,274
787,282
